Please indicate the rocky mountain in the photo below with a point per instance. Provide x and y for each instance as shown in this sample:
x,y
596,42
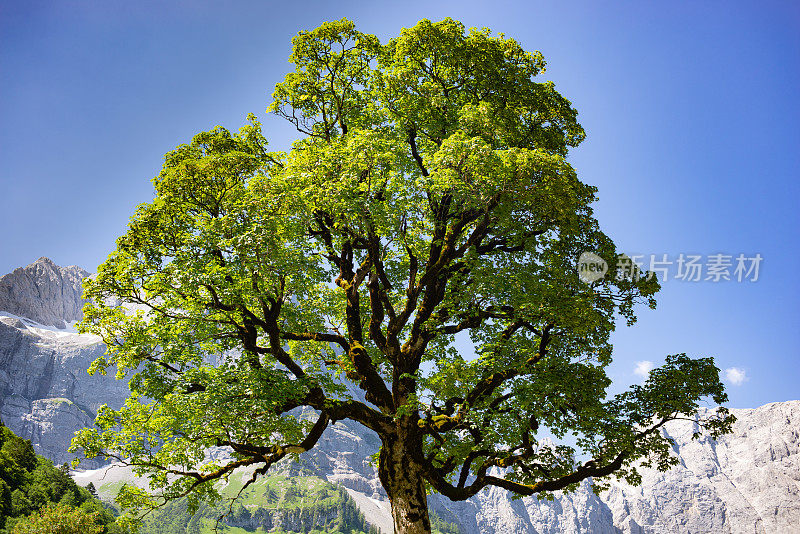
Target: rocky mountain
x,y
44,293
45,392
745,482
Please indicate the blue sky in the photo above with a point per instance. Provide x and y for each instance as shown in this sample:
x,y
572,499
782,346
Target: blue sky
x,y
691,113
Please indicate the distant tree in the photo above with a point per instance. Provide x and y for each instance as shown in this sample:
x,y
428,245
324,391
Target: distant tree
x,y
430,197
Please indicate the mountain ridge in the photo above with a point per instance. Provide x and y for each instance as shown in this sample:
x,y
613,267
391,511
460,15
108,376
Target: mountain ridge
x,y
742,483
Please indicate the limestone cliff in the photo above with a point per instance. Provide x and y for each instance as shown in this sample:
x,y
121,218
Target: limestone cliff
x,y
45,392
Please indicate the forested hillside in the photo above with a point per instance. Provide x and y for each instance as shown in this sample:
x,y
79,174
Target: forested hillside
x,y
29,482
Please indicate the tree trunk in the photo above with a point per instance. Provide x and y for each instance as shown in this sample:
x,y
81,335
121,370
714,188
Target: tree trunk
x,y
401,476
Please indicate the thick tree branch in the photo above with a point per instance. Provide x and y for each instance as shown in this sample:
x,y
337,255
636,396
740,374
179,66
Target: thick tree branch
x,y
323,337
412,141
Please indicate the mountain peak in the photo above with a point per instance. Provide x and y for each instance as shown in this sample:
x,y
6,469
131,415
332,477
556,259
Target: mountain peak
x,y
44,292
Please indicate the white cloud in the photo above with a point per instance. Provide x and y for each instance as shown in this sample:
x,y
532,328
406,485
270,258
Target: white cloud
x,y
643,368
736,375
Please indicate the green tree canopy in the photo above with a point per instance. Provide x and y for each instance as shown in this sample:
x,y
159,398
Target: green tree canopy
x,y
428,197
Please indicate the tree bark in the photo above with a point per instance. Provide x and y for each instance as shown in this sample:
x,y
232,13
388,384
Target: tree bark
x,y
401,475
